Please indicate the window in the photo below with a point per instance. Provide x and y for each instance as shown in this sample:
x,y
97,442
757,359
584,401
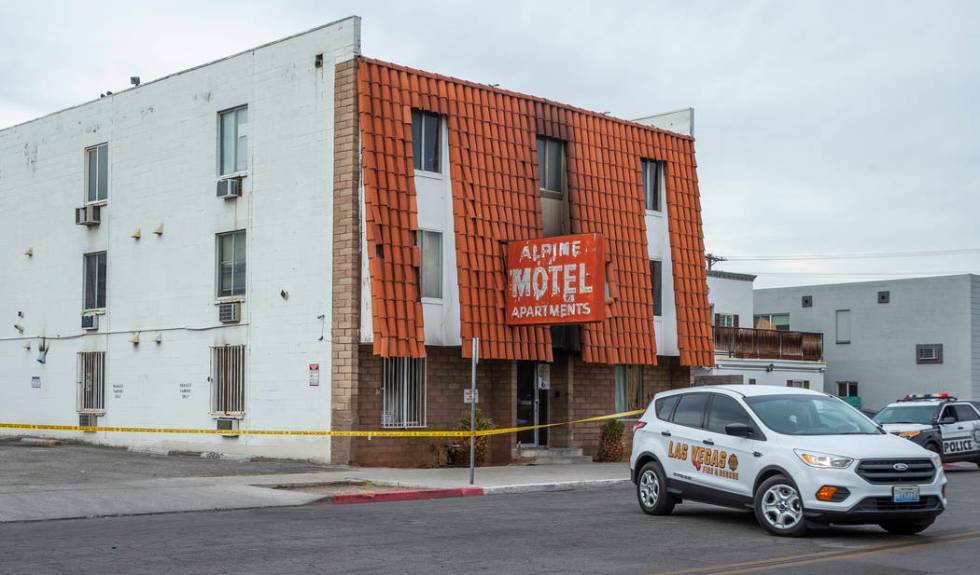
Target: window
x,y
551,167
800,383
430,245
847,389
91,381
97,173
884,297
690,410
231,264
965,413
725,410
664,407
843,326
751,381
233,140
403,392
651,185
929,353
425,141
776,321
94,288
656,277
228,380
725,320
629,388
806,414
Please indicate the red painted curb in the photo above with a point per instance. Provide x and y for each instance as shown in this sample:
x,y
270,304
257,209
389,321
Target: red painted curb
x,y
406,495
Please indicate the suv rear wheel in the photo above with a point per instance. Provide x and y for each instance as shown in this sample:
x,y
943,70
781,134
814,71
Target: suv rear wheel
x,y
779,507
906,527
651,490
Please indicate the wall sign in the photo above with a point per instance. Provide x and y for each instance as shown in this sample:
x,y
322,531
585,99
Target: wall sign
x,y
468,396
314,374
556,280
36,382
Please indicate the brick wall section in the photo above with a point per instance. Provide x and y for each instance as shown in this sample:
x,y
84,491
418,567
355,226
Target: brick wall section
x,y
344,329
448,375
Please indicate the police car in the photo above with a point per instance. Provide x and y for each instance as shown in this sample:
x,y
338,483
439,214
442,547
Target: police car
x,y
798,458
938,422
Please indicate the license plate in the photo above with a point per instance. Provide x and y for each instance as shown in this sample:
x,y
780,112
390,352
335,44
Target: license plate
x,y
905,494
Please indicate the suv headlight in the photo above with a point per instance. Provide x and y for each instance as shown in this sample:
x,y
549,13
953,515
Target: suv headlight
x,y
823,460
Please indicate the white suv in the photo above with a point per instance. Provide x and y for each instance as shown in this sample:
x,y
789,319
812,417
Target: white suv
x,y
794,456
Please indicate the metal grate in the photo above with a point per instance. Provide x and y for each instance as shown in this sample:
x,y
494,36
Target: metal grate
x,y
403,392
926,503
228,379
91,381
896,470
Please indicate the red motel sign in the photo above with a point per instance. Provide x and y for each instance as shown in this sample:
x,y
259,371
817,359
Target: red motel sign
x,y
556,280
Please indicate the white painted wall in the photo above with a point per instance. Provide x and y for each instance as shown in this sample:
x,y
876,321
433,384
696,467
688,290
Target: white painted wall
x,y
770,371
731,296
163,166
881,353
658,246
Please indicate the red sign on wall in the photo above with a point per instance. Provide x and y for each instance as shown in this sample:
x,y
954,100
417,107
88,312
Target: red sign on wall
x,y
556,280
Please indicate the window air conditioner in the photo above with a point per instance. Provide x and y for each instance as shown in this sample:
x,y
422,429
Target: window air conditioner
x,y
230,312
88,215
230,188
90,322
225,424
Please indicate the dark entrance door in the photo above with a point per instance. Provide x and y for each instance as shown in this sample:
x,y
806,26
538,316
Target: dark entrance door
x,y
532,405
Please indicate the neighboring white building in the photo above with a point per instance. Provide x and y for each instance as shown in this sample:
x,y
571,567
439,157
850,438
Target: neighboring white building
x,y
885,339
167,253
763,354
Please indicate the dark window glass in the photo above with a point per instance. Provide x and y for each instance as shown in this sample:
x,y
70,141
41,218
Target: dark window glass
x,y
425,141
923,414
656,278
725,410
95,280
231,264
551,155
665,407
690,410
651,185
810,414
965,413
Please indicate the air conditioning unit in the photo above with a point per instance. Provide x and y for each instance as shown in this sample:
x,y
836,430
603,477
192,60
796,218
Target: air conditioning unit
x,y
230,188
90,322
88,420
88,215
230,312
227,424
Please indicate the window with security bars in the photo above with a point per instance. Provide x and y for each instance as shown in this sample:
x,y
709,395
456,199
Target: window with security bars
x,y
91,382
403,392
228,380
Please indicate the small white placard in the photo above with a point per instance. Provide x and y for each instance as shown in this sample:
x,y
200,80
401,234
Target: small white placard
x,y
468,396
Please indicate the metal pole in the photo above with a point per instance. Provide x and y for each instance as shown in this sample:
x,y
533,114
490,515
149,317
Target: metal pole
x,y
475,358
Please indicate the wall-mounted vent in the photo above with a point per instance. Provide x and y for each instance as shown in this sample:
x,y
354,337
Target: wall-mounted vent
x,y
227,424
88,216
230,312
88,420
90,322
230,188
807,301
884,297
929,353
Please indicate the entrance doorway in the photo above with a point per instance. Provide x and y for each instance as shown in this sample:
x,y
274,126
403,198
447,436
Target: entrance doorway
x,y
532,403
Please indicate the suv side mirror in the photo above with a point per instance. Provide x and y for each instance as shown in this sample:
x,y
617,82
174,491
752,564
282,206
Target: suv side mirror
x,y
739,430
948,420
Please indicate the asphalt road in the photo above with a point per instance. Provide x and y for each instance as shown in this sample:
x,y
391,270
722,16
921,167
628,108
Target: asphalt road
x,y
570,532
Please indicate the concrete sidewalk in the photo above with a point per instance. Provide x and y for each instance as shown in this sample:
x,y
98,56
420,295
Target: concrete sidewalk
x,y
115,482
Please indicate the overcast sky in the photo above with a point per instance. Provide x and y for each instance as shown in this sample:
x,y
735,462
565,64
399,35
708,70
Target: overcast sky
x,y
822,127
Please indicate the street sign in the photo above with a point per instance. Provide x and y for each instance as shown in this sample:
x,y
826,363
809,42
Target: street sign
x,y
468,396
556,280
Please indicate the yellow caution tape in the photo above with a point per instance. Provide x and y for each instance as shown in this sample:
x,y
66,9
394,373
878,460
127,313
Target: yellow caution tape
x,y
313,433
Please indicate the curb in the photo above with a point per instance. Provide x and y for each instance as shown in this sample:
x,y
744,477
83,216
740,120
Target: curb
x,y
404,495
593,485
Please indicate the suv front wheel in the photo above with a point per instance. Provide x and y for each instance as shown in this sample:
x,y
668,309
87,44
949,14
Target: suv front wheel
x,y
651,490
779,507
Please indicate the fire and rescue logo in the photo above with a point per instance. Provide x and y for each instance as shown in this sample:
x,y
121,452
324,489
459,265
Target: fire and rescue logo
x,y
715,462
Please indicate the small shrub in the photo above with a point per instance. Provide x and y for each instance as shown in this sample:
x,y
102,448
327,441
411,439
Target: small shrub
x,y
461,450
611,441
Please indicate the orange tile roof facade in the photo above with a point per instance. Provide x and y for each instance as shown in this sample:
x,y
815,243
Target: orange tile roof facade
x,y
493,173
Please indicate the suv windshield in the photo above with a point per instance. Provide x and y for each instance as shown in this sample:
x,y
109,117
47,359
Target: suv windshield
x,y
924,414
798,414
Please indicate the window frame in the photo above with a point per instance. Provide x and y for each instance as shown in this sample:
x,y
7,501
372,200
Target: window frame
x,y
236,172
91,362
224,393
838,324
798,383
99,176
668,417
704,410
757,434
218,266
658,185
936,359
543,165
422,263
847,389
768,317
105,281
418,164
625,377
392,370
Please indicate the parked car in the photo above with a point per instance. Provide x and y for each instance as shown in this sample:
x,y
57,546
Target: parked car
x,y
794,456
939,422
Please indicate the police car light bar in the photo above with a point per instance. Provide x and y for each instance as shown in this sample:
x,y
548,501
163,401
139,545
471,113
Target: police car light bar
x,y
921,396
